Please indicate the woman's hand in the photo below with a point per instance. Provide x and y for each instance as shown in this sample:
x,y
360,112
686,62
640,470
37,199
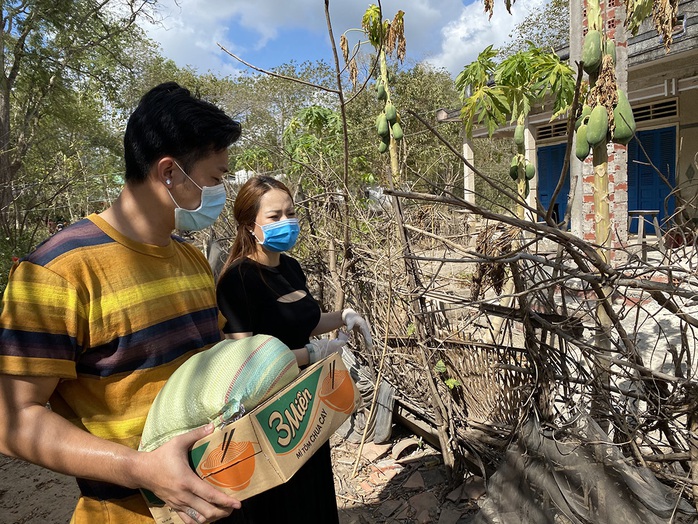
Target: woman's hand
x,y
320,348
356,322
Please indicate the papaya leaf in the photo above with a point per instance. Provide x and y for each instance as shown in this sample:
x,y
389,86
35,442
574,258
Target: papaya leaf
x,y
487,106
478,73
371,24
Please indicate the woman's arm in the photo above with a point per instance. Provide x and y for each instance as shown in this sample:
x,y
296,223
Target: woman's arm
x,y
347,317
328,322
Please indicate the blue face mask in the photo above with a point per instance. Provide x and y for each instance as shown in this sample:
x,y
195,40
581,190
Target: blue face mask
x,y
280,236
212,203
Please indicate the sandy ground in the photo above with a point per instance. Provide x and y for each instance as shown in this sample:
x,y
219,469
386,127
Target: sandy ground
x,y
30,494
400,482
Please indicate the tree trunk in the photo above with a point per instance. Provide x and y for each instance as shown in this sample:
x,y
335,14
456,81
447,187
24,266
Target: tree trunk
x,y
602,232
5,160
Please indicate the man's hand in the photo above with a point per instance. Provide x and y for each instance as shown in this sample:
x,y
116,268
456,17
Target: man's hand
x,y
166,472
31,432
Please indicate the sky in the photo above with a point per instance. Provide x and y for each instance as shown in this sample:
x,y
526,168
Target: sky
x,y
447,34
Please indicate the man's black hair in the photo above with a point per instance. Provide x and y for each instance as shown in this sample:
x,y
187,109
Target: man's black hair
x,y
169,121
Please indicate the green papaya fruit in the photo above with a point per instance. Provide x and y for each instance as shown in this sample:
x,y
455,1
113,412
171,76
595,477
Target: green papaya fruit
x,y
586,111
597,128
530,171
591,51
514,169
390,112
623,120
611,49
397,131
519,135
382,147
382,125
582,147
380,91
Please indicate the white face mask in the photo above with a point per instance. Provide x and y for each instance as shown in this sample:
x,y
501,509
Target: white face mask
x,y
212,203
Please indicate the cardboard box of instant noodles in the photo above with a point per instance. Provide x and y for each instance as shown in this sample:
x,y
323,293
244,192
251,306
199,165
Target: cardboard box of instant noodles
x,y
269,444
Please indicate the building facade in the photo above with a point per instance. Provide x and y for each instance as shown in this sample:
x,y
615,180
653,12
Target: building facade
x,y
658,170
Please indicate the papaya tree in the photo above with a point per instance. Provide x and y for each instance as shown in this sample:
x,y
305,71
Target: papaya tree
x,y
387,37
519,82
606,117
417,89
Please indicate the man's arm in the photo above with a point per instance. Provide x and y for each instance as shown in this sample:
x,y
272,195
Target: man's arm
x,y
30,431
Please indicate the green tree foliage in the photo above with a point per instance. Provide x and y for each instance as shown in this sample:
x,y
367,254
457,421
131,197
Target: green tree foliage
x,y
426,163
518,82
546,27
255,159
266,106
63,66
313,139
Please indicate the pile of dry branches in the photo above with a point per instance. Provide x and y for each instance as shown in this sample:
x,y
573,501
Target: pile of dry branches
x,y
491,322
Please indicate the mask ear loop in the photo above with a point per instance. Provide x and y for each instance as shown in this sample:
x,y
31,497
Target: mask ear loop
x,y
251,231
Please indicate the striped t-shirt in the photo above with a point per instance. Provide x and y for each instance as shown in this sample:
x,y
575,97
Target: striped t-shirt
x,y
112,318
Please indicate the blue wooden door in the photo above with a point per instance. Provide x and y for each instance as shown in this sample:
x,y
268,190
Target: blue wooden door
x,y
550,162
647,189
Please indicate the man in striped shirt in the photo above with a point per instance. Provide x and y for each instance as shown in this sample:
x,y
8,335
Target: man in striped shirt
x,y
97,318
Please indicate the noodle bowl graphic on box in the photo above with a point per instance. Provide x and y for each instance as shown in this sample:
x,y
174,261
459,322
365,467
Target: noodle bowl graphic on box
x,y
337,391
230,465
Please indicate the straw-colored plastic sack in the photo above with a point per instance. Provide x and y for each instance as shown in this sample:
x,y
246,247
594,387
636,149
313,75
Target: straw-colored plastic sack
x,y
218,385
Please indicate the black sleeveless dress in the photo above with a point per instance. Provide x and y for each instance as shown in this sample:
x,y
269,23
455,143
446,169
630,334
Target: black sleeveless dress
x,y
275,301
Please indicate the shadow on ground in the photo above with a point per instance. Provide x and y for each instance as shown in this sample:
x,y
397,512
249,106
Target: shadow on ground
x,y
401,482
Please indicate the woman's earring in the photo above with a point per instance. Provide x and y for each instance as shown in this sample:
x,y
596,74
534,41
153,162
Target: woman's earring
x,y
168,182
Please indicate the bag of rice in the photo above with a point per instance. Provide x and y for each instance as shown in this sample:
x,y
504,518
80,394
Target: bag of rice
x,y
218,385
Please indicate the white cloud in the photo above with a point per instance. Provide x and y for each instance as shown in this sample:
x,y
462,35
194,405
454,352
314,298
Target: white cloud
x,y
463,39
444,32
189,34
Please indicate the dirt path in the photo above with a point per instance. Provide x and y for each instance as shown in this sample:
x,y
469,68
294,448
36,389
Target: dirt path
x,y
400,482
30,494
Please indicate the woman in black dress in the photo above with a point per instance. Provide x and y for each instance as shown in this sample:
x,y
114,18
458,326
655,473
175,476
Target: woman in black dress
x,y
263,291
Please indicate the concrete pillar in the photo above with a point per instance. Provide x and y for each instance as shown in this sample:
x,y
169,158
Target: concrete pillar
x,y
468,174
576,167
530,152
